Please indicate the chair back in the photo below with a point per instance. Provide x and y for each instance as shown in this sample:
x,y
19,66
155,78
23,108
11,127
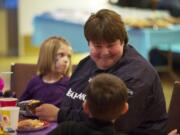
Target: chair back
x,y
21,74
174,108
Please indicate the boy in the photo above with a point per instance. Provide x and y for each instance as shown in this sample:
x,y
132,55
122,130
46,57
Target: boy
x,y
106,100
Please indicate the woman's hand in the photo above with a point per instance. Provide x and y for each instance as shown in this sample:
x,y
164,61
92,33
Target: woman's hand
x,y
47,112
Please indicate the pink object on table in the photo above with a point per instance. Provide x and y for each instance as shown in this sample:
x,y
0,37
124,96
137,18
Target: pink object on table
x,y
1,84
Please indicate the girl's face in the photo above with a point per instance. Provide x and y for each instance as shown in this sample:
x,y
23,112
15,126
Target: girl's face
x,y
63,59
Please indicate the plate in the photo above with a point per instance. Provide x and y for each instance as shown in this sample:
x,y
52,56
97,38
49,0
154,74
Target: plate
x,y
44,124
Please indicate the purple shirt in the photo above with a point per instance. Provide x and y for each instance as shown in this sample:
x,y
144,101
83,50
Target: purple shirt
x,y
45,92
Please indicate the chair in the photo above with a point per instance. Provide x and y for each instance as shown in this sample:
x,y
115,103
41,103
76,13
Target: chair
x,y
21,74
174,108
169,66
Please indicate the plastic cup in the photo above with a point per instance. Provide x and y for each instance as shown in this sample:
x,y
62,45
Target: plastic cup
x,y
9,117
8,102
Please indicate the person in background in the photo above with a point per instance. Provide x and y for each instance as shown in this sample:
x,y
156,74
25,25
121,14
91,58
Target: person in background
x,y
173,6
53,67
106,100
144,4
110,53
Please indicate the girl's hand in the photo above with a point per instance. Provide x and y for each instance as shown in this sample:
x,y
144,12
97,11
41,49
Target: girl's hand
x,y
47,112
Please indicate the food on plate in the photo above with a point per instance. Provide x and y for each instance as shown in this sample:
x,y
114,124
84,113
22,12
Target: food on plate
x,y
173,20
160,23
30,124
138,23
151,22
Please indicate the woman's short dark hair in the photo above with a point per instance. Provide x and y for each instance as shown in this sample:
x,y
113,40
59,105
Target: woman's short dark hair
x,y
106,96
105,26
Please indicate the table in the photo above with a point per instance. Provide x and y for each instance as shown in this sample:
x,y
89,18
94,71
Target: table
x,y
146,39
49,24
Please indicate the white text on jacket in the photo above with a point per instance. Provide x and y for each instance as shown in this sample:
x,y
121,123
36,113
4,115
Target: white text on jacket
x,y
75,95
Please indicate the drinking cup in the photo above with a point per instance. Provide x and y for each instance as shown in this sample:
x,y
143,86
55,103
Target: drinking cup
x,y
9,117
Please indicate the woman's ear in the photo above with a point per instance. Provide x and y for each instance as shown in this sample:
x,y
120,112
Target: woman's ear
x,y
122,43
125,108
86,108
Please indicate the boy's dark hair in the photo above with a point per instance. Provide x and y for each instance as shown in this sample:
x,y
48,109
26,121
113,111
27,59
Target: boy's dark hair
x,y
105,26
106,96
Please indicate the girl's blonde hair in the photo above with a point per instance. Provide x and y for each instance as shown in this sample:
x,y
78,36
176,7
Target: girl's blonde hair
x,y
47,55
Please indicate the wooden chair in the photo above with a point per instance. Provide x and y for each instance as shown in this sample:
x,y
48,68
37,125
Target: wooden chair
x,y
174,108
168,68
21,74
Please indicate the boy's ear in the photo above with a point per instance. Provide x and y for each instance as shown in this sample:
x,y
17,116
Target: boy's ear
x,y
86,108
125,108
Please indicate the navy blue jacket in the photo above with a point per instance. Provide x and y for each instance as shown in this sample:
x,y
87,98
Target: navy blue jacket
x,y
90,127
147,112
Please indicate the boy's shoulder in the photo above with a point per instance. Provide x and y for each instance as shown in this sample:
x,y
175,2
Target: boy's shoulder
x,y
67,128
79,128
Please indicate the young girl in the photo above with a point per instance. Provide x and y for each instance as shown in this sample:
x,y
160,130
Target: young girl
x,y
54,63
